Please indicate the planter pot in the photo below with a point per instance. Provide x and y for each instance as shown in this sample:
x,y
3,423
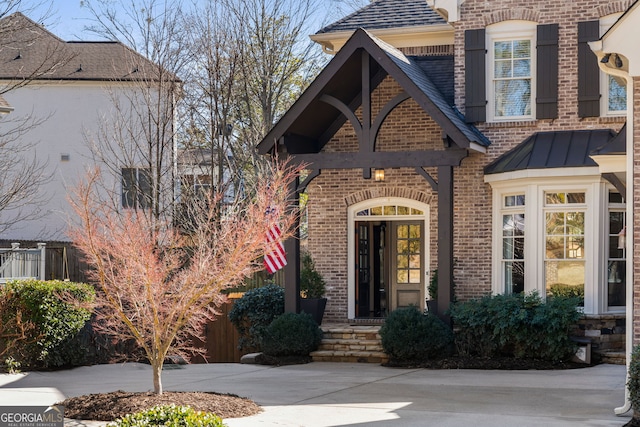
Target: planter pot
x,y
432,306
315,307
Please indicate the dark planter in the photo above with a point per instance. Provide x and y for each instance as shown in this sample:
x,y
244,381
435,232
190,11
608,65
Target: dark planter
x,y
432,306
315,307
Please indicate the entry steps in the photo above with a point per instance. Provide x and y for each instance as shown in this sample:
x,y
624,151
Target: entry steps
x,y
349,343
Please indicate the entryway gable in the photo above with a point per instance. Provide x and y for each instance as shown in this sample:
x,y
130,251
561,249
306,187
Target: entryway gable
x,y
343,86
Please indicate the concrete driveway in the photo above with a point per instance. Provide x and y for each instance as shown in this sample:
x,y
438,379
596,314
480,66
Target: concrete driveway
x,y
348,394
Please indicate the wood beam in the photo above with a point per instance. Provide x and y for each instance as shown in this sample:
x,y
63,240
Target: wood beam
x,y
385,159
292,251
445,240
432,182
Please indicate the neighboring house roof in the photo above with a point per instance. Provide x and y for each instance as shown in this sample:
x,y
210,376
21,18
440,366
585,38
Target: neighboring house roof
x,y
194,156
29,51
315,121
388,14
558,149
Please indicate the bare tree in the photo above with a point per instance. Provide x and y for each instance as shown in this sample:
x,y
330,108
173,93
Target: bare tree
x,y
140,133
158,286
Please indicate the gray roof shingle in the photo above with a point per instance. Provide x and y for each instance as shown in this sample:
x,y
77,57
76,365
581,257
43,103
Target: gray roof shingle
x,y
387,14
29,51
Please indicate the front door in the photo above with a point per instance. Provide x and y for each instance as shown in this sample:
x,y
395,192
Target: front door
x,y
389,266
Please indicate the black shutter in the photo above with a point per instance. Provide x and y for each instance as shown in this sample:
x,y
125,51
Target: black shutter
x,y
475,76
588,71
547,72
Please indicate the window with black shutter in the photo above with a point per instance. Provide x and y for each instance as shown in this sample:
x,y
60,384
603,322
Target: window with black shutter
x,y
588,71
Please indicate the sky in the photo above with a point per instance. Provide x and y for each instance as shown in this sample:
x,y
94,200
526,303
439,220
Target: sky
x,y
68,18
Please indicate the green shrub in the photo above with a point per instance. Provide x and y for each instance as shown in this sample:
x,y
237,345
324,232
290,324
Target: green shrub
x,y
57,310
519,325
291,334
169,416
633,383
411,336
312,284
254,311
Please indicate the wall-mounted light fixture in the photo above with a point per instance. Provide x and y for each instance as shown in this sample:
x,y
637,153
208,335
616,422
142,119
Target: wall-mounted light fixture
x,y
378,174
618,61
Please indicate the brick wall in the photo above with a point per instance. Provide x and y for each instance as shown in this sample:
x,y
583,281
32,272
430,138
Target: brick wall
x,y
409,128
636,209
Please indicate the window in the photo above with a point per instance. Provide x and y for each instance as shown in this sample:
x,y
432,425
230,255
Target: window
x,y
512,265
510,65
136,188
564,263
614,91
616,252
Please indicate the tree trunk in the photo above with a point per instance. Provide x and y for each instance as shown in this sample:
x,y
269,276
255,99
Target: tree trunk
x,y
157,376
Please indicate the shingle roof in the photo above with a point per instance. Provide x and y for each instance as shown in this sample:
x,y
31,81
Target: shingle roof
x,y
387,14
313,121
414,72
559,149
28,51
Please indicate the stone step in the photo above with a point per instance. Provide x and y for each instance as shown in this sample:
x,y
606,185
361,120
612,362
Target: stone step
x,y
349,356
350,344
360,343
613,357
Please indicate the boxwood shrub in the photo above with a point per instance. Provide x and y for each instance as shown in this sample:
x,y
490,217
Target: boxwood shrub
x,y
57,311
518,325
411,336
169,416
254,311
291,334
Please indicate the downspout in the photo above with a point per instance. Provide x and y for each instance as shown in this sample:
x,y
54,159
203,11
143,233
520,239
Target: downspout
x,y
596,47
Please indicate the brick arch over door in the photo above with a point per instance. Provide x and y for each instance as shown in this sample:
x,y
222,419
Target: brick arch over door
x,y
400,192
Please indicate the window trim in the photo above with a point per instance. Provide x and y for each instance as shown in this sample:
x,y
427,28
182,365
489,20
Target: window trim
x,y
509,31
534,188
605,23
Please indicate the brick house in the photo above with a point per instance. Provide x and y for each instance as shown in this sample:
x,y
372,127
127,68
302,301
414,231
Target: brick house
x,y
479,139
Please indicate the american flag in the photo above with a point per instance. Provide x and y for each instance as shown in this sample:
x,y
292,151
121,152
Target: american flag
x,y
274,257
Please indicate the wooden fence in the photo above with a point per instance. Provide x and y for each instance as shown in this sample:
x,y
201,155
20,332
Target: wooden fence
x,y
221,338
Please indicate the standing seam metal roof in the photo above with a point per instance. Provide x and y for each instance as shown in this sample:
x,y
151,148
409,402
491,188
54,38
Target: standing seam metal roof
x,y
387,14
559,149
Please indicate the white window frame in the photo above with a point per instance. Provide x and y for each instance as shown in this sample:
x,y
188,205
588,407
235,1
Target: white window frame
x,y
534,184
605,23
509,31
611,207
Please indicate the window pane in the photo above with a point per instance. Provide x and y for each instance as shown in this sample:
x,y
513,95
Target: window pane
x,y
403,210
414,261
518,249
513,97
614,251
364,212
144,188
403,247
514,277
403,231
575,222
615,197
617,95
575,198
522,48
616,279
502,50
502,69
564,272
414,276
414,231
403,261
616,222
508,225
402,276
575,247
389,210
555,247
555,223
522,68
416,212
376,211
128,187
507,248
